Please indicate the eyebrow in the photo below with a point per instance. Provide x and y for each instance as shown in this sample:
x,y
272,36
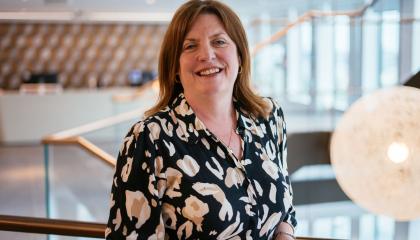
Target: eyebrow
x,y
212,36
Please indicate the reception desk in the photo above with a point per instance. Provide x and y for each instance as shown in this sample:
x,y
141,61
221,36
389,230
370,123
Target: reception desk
x,y
26,118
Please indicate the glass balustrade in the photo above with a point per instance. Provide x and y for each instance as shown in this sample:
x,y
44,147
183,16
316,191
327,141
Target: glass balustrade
x,y
79,183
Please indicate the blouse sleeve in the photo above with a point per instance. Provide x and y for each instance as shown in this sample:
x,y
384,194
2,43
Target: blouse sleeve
x,y
135,208
288,194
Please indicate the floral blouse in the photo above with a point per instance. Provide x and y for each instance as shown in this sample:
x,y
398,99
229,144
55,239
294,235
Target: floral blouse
x,y
174,179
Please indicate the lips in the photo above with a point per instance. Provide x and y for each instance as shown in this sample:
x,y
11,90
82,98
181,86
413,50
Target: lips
x,y
209,71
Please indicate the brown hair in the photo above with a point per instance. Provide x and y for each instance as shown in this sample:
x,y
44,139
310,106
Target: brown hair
x,y
171,50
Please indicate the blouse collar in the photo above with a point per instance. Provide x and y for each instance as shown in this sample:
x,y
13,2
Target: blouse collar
x,y
193,128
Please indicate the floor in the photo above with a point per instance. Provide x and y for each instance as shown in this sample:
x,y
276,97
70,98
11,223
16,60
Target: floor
x,y
79,185
22,185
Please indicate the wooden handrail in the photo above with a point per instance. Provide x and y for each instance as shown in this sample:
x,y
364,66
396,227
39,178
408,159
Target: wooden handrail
x,y
305,17
152,85
96,125
52,226
85,144
72,136
65,227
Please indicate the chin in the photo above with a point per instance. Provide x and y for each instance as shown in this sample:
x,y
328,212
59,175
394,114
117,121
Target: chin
x,y
216,91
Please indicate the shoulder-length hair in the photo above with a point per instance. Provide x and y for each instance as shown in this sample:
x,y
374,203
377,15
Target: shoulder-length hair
x,y
171,50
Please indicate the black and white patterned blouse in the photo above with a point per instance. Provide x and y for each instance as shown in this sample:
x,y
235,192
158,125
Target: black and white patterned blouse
x,y
175,180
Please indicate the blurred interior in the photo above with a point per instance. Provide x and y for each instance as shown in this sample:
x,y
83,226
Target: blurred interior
x,y
76,68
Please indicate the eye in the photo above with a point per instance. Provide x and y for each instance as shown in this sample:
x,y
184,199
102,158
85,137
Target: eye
x,y
220,42
189,46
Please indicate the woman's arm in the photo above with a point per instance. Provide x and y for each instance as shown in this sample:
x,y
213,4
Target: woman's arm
x,y
284,231
135,211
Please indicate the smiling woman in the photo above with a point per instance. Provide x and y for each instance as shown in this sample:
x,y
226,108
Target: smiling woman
x,y
209,62
209,160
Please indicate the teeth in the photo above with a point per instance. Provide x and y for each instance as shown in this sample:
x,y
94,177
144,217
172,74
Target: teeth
x,y
210,71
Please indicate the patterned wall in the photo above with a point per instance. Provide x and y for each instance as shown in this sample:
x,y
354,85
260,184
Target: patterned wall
x,y
83,55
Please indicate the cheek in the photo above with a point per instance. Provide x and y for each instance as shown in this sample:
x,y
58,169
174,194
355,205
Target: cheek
x,y
181,64
184,64
233,58
234,63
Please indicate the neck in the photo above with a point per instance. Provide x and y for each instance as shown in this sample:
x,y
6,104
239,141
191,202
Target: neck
x,y
211,110
218,116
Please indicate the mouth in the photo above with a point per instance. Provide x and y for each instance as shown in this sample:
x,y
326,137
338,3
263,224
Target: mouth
x,y
209,71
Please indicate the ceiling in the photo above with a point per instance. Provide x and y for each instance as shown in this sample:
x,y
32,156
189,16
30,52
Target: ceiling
x,y
165,8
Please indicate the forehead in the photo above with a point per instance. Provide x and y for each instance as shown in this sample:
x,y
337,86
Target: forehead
x,y
206,24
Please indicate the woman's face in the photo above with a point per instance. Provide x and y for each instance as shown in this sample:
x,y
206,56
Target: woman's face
x,y
209,60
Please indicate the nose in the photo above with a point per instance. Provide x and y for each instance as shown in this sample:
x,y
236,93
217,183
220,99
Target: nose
x,y
206,52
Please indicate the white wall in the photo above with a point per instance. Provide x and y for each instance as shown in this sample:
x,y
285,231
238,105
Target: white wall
x,y
28,118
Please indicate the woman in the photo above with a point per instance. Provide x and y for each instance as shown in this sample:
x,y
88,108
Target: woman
x,y
209,160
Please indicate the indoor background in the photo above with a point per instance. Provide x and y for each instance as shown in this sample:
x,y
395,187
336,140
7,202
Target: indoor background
x,y
97,59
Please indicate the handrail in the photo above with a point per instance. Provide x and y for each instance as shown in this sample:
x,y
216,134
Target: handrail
x,y
154,85
72,136
52,226
65,227
305,17
404,20
85,144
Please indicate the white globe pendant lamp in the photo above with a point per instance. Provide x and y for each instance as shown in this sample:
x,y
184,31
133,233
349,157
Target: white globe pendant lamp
x,y
375,152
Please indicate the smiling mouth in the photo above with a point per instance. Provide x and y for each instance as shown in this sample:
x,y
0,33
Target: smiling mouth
x,y
209,71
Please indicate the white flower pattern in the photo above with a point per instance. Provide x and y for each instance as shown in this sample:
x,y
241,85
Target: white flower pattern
x,y
175,180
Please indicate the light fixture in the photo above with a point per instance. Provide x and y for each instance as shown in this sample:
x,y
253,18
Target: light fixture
x,y
398,152
81,16
375,152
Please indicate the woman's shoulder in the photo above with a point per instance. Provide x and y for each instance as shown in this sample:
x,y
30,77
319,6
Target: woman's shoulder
x,y
274,106
151,124
164,113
